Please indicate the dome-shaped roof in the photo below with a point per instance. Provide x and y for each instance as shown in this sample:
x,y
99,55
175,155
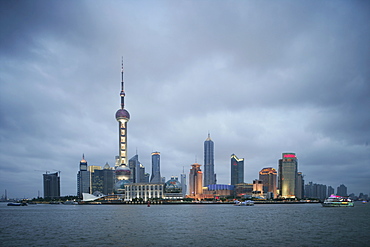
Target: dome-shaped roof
x,y
122,113
122,173
172,186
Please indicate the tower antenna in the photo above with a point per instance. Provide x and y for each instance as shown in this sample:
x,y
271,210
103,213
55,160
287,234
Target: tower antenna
x,y
122,94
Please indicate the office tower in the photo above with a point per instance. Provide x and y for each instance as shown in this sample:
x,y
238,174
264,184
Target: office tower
x,y
300,186
156,168
83,178
122,171
183,183
288,175
330,191
237,170
268,177
195,181
137,170
257,188
102,180
209,166
51,185
342,190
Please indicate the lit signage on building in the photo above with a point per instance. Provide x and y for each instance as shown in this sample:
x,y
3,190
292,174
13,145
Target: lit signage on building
x,y
289,156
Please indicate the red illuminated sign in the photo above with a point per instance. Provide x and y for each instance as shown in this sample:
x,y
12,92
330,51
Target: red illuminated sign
x,y
289,156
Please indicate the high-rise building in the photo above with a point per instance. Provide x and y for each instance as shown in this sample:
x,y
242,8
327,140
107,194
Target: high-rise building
x,y
299,186
237,170
102,180
268,176
183,183
288,175
195,181
318,191
83,178
342,190
122,171
209,166
156,168
137,170
330,191
51,185
257,188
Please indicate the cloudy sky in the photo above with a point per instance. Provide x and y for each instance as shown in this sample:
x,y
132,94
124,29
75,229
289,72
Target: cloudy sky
x,y
262,77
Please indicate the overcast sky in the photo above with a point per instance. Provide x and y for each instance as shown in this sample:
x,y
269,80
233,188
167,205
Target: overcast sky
x,y
262,77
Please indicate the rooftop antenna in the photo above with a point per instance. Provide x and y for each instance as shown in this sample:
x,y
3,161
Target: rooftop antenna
x,y
122,94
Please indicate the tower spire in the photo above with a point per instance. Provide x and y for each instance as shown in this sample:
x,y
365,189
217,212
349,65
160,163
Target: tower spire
x,y
122,94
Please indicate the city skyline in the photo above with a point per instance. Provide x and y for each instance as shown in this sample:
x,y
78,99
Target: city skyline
x,y
264,79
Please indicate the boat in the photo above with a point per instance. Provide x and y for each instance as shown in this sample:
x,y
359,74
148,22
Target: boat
x,y
70,203
245,203
337,201
17,204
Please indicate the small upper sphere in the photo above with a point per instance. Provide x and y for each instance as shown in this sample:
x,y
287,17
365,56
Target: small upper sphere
x,y
122,114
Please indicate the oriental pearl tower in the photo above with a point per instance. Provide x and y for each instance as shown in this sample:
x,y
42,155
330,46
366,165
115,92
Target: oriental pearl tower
x,y
122,171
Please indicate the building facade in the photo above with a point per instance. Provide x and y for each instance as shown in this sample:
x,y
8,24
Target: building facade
x,y
288,175
184,187
51,185
268,176
137,170
156,168
195,181
237,170
342,190
83,178
144,191
102,180
209,166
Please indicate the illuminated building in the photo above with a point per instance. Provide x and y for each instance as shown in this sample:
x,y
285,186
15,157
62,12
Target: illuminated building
x,y
83,178
288,175
144,191
122,171
268,177
51,185
209,166
237,170
257,188
243,190
156,168
195,181
342,190
173,189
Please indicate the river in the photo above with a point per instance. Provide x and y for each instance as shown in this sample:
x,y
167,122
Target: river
x,y
184,225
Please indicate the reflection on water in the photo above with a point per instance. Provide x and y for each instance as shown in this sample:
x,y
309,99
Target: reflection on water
x,y
184,225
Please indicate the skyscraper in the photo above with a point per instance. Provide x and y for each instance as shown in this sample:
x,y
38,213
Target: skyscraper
x,y
342,190
288,175
183,183
122,171
83,178
137,170
268,177
237,170
51,185
156,168
209,166
102,180
195,181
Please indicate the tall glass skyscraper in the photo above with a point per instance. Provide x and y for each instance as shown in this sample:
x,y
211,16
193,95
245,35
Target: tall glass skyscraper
x,y
288,175
51,185
237,170
268,177
209,166
156,168
195,181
